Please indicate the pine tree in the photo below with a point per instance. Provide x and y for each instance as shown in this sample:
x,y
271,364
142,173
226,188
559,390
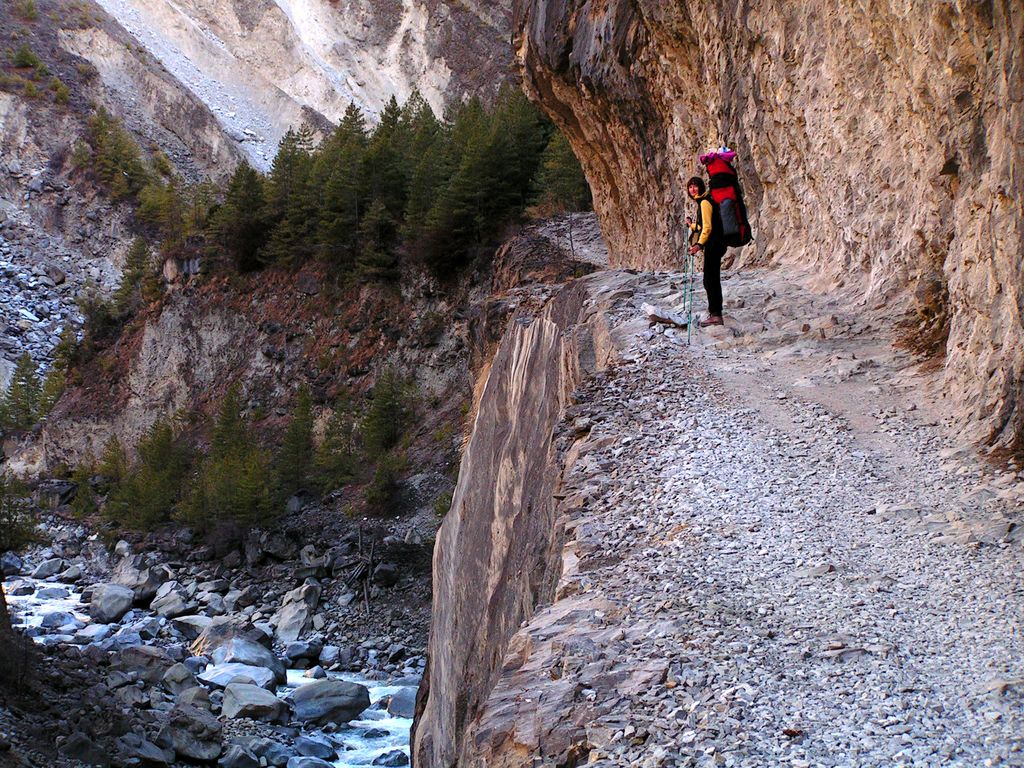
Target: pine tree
x,y
84,505
232,486
335,458
339,171
295,458
519,134
115,157
128,296
17,519
19,407
388,415
241,224
386,172
52,389
148,493
560,182
377,259
230,429
113,466
291,200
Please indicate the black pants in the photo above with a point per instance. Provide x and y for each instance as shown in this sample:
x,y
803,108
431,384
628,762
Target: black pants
x,y
713,253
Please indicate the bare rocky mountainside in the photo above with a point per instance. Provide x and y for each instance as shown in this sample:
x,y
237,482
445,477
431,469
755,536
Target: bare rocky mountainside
x,y
263,66
880,144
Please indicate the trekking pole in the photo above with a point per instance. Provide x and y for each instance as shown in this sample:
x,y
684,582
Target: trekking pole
x,y
689,296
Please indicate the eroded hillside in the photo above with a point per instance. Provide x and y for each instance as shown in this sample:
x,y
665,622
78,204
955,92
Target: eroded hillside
x,y
268,65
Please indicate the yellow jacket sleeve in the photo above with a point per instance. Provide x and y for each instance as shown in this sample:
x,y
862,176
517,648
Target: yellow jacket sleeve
x,y
705,221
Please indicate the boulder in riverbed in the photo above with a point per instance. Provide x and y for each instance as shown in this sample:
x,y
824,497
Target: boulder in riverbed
x,y
222,675
253,702
48,568
10,564
330,701
241,651
193,734
110,602
149,663
403,703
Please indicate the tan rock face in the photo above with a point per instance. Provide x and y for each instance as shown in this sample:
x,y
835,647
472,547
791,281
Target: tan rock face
x,y
880,145
497,554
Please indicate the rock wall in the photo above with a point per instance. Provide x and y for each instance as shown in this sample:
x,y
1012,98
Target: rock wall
x,y
498,554
881,145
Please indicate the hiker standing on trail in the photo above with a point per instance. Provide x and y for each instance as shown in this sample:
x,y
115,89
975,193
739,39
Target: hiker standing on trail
x,y
708,228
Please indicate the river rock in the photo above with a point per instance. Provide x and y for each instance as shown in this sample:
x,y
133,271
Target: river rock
x,y
178,679
92,633
222,629
308,762
238,757
296,614
48,568
80,747
11,564
253,702
329,655
403,703
303,649
330,701
52,593
139,751
275,754
222,675
144,582
395,757
308,747
171,600
110,602
192,733
242,651
56,619
191,625
147,662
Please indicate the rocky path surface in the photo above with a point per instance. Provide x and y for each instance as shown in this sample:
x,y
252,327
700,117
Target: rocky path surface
x,y
777,557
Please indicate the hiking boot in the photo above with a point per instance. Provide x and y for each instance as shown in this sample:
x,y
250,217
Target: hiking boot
x,y
712,320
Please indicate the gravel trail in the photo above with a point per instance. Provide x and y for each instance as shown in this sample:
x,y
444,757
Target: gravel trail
x,y
806,575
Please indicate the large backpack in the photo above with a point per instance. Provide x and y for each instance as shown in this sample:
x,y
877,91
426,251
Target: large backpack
x,y
728,196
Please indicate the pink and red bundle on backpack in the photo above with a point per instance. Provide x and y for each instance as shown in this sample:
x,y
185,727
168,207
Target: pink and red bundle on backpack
x,y
727,195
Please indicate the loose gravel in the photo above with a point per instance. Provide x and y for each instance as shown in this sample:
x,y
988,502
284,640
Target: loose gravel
x,y
808,580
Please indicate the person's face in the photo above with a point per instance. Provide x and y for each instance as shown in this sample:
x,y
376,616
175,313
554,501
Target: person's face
x,y
693,190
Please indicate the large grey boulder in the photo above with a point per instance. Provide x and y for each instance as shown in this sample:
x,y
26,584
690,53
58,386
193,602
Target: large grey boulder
x,y
237,757
48,568
144,582
10,564
178,679
296,613
192,625
192,733
403,703
222,629
222,675
308,762
244,700
110,602
241,651
330,701
171,600
147,662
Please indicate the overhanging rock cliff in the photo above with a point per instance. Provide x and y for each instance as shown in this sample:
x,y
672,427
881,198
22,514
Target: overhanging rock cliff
x,y
881,145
